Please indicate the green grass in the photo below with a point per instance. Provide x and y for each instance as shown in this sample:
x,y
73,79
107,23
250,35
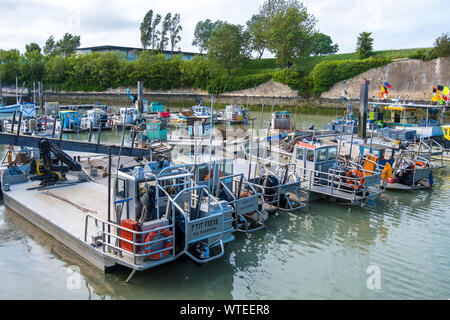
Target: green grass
x,y
307,64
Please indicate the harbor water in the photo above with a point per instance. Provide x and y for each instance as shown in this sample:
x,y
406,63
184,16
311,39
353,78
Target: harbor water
x,y
396,248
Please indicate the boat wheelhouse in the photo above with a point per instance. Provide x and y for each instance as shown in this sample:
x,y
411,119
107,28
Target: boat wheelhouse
x,y
98,118
234,114
128,116
69,121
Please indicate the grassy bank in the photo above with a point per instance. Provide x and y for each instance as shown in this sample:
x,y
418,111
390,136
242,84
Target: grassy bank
x,y
307,64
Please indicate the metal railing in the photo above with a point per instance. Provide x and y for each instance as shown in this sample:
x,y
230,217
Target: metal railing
x,y
274,195
339,184
243,203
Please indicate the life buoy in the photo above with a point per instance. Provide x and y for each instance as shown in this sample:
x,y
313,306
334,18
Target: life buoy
x,y
150,236
418,163
42,123
211,173
360,181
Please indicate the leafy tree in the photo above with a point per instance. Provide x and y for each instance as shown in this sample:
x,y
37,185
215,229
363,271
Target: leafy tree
x,y
174,31
155,31
55,70
33,69
10,65
442,46
164,31
49,46
202,33
228,47
146,29
257,33
32,47
198,72
288,29
364,46
322,44
68,44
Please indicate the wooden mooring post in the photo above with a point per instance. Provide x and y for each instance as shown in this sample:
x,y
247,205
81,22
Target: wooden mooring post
x,y
140,97
363,107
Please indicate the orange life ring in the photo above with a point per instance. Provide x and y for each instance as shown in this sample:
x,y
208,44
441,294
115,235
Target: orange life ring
x,y
211,173
42,123
360,174
150,236
418,163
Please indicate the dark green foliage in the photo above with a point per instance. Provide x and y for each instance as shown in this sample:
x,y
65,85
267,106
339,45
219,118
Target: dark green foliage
x,y
202,33
226,84
442,46
423,54
296,79
364,46
228,47
327,73
322,44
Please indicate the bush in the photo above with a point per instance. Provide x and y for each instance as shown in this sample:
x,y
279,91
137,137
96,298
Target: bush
x,y
227,84
442,46
296,79
327,73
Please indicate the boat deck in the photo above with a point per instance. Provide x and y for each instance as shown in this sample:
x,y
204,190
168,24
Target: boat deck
x,y
61,212
329,191
399,186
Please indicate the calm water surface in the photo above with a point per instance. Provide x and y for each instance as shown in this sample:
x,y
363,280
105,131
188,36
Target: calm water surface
x,y
320,252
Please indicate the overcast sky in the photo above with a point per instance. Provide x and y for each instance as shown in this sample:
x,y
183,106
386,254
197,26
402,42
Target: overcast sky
x,y
395,24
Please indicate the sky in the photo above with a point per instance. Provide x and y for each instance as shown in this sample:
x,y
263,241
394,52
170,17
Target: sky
x,y
395,24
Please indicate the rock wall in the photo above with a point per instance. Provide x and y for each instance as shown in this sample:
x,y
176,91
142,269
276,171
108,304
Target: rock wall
x,y
409,78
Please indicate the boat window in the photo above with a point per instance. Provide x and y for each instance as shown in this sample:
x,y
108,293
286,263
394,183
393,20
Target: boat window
x,y
299,154
321,155
227,169
310,155
332,154
120,188
202,173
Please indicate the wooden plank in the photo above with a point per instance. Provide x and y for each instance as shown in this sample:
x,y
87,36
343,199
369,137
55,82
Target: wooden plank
x,y
72,145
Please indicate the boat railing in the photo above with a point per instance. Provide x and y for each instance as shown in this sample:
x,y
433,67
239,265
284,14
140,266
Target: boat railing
x,y
111,241
245,199
289,183
338,183
215,216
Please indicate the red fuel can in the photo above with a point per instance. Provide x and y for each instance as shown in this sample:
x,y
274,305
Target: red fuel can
x,y
132,225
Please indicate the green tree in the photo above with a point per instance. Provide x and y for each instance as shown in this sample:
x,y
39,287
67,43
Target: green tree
x,y
202,33
442,46
322,44
10,65
33,67
164,31
68,44
155,31
55,70
32,47
174,31
50,45
364,45
228,47
288,29
257,33
146,29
